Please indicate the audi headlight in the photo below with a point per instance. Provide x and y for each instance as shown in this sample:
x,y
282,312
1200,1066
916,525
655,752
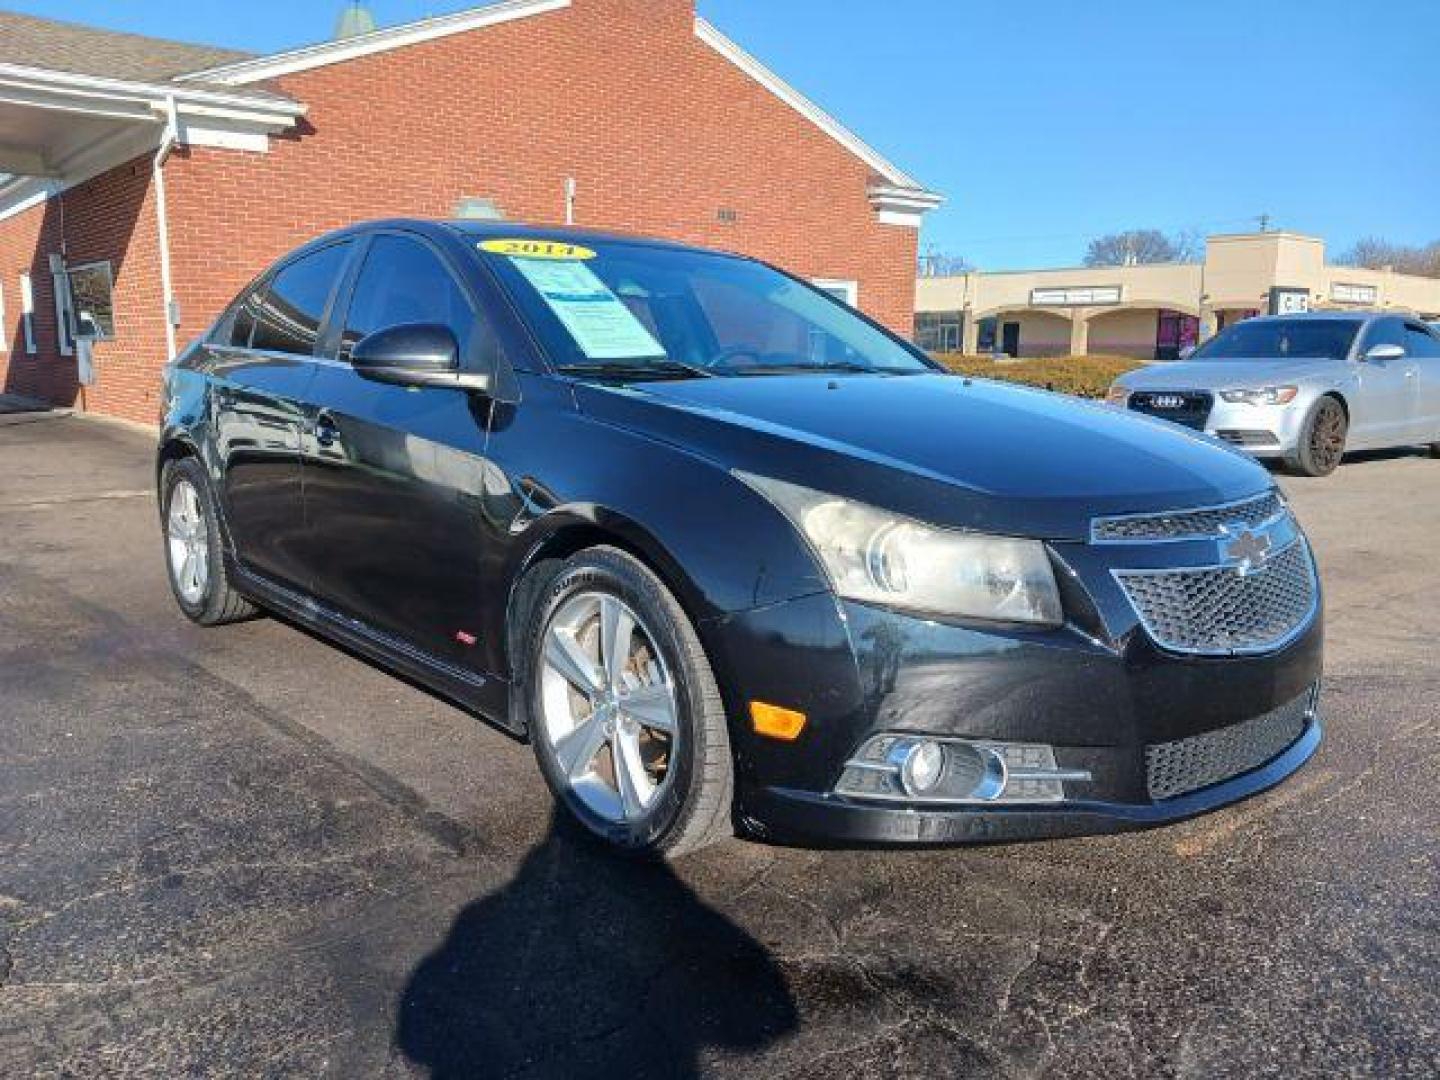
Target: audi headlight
x,y
878,557
1118,395
1265,395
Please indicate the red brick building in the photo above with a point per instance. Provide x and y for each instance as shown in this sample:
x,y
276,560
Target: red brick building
x,y
148,180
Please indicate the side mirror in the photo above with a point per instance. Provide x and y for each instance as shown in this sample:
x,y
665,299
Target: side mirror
x,y
1187,352
414,354
1382,353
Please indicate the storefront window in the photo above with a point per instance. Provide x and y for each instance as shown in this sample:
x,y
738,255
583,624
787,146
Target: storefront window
x,y
1174,332
938,331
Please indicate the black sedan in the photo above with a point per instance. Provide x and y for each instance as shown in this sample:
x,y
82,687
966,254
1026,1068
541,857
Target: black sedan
x,y
730,555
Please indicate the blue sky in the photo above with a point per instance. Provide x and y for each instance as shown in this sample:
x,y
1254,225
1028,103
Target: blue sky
x,y
1046,122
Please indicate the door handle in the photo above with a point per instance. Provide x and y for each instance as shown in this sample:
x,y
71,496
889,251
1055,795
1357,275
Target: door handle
x,y
326,432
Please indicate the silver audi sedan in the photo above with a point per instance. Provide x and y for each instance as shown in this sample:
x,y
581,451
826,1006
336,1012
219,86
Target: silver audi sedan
x,y
1304,389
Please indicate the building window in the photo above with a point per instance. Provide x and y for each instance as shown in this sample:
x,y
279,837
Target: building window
x,y
27,312
92,300
848,291
939,331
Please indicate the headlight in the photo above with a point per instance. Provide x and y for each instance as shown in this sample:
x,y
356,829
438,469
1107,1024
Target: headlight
x,y
878,557
1266,395
1117,395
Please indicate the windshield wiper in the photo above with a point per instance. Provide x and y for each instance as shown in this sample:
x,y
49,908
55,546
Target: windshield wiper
x,y
649,369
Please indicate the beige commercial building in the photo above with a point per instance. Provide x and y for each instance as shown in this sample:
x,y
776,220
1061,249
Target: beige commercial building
x,y
1152,311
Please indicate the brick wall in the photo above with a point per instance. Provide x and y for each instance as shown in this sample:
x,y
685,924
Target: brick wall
x,y
110,218
659,131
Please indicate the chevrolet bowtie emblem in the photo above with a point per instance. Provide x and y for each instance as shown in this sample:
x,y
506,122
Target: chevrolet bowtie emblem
x,y
1244,548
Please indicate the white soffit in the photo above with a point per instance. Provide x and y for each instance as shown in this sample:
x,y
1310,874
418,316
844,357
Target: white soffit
x,y
377,41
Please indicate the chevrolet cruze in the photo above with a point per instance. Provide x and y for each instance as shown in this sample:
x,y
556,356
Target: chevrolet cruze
x,y
728,554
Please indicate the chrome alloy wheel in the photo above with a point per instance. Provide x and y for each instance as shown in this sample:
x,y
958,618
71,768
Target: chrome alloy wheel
x,y
188,542
607,707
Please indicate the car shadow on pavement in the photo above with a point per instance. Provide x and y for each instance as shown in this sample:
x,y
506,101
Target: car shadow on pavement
x,y
587,964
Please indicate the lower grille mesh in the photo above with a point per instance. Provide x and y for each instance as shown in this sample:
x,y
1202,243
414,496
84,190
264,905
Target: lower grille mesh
x,y
1219,610
1185,765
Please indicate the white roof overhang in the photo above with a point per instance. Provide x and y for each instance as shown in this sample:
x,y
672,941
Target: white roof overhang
x,y
59,128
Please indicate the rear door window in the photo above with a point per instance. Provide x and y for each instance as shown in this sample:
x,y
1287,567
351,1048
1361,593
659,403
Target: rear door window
x,y
289,317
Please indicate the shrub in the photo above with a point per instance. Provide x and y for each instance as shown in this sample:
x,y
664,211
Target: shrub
x,y
1083,376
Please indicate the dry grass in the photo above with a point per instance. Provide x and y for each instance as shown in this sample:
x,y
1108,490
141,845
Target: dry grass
x,y
1084,376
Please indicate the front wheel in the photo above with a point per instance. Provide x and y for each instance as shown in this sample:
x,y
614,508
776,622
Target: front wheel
x,y
1322,440
623,711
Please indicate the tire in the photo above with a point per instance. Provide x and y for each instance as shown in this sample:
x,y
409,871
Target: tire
x,y
1322,440
213,601
675,795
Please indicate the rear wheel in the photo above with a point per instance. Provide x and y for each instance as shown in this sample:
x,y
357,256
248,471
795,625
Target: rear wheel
x,y
193,552
1322,441
623,711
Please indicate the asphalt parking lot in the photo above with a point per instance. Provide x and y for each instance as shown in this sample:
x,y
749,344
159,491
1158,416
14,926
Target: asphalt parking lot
x,y
240,851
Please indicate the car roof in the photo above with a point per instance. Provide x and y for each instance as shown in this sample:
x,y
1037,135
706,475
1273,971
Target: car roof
x,y
1347,316
499,230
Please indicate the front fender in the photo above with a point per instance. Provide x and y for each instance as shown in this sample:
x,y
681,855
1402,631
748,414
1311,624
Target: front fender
x,y
569,480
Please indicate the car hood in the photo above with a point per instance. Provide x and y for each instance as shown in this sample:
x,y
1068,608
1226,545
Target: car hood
x,y
958,452
1225,374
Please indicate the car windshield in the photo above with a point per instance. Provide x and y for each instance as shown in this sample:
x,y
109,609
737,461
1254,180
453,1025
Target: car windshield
x,y
636,311
1282,339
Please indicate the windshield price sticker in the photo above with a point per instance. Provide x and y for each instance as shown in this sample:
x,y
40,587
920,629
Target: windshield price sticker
x,y
536,249
598,320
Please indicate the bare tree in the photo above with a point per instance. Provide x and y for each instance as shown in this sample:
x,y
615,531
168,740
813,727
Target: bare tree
x,y
1377,254
942,264
1189,245
1140,246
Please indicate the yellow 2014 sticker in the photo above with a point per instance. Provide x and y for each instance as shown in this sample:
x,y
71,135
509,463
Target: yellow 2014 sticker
x,y
536,249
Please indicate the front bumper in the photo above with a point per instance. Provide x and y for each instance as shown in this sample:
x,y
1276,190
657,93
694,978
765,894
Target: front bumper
x,y
1263,431
817,819
1098,691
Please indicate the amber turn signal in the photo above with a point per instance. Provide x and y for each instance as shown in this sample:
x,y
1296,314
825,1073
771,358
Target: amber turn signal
x,y
775,722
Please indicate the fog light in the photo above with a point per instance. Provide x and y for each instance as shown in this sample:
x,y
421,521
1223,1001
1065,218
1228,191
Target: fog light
x,y
978,772
922,766
936,770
